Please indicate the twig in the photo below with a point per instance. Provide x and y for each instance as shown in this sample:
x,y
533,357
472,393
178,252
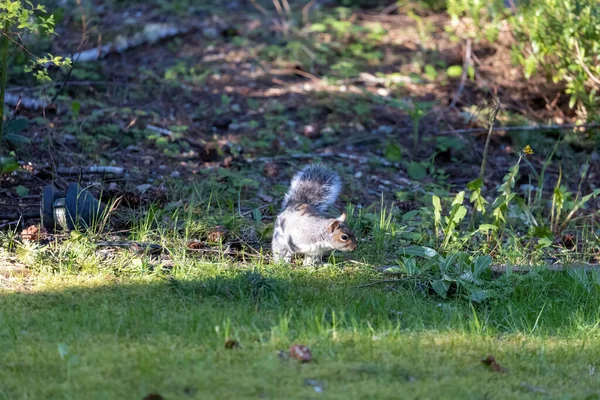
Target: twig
x,y
380,282
463,78
584,66
492,119
523,128
2,226
162,131
306,9
151,34
259,8
84,37
391,8
21,215
94,169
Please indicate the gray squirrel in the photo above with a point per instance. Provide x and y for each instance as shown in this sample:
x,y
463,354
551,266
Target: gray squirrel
x,y
301,227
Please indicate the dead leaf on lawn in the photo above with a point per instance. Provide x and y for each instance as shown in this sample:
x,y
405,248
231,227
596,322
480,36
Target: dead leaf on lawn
x,y
154,396
494,366
301,353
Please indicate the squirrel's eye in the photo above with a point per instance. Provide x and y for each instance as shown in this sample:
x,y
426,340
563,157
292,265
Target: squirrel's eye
x,y
344,237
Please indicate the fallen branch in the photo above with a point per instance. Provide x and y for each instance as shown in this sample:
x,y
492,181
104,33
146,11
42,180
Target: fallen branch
x,y
463,78
151,34
94,169
29,103
360,159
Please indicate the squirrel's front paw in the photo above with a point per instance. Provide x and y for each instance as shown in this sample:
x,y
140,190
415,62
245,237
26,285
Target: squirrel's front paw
x,y
311,261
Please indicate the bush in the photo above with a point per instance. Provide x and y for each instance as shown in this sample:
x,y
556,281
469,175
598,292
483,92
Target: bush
x,y
560,38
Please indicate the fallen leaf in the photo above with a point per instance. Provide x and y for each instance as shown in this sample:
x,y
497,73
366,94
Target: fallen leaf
x,y
494,366
271,170
34,233
196,245
311,131
154,396
301,353
231,344
568,241
218,234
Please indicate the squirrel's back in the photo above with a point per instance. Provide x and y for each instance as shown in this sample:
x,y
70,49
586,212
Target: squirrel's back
x,y
315,185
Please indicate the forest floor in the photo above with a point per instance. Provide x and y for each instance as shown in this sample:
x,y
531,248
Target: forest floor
x,y
207,126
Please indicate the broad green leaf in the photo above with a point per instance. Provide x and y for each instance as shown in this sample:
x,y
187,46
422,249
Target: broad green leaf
x,y
543,243
8,164
16,140
416,171
75,107
21,191
441,287
431,72
459,198
420,251
475,185
454,71
393,152
481,264
16,125
479,295
485,228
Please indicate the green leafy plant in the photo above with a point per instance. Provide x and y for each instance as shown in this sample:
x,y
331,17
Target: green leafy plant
x,y
448,224
562,38
25,17
458,273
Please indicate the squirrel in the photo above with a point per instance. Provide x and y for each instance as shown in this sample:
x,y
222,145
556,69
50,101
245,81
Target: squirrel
x,y
301,227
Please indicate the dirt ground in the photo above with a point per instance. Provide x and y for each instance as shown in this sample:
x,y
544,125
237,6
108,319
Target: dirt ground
x,y
213,98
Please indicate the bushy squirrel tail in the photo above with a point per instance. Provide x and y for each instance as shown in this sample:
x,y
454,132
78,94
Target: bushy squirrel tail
x,y
315,185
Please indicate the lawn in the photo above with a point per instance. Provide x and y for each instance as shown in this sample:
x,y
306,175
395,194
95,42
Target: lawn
x,y
105,335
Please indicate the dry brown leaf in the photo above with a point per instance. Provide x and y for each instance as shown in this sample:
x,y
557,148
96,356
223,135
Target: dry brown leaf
x,y
196,245
301,353
271,170
34,233
218,234
494,366
154,396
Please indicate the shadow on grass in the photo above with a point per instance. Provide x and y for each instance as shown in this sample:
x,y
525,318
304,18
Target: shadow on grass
x,y
150,334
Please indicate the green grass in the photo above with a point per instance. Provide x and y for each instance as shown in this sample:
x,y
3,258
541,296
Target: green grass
x,y
105,336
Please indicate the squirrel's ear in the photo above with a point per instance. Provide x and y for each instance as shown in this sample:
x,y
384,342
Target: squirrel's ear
x,y
342,218
334,225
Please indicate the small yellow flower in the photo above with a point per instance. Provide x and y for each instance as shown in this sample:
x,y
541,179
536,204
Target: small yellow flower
x,y
528,150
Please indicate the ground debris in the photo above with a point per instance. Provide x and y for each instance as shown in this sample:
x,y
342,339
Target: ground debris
x,y
218,234
301,353
231,344
317,385
494,366
154,396
34,233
